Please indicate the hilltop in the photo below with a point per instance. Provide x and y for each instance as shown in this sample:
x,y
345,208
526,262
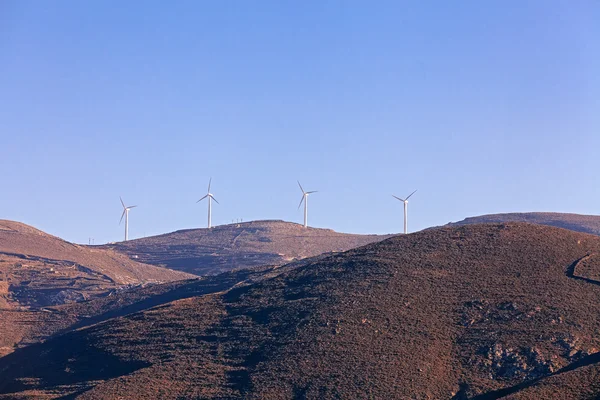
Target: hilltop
x,y
39,270
243,245
574,222
471,312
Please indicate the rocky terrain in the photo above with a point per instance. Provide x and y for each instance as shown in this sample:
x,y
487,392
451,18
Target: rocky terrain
x,y
249,244
38,270
473,312
574,222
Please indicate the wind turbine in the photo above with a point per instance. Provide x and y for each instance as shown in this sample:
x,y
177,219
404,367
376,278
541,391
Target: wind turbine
x,y
210,199
305,200
405,201
126,215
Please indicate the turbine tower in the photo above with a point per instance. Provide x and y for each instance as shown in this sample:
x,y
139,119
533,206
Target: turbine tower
x,y
405,201
126,215
210,199
305,200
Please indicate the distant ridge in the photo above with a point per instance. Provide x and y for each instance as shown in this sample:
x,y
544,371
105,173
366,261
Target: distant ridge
x,y
574,222
239,245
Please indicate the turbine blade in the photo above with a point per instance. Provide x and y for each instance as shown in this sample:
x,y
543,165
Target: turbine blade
x,y
402,200
209,181
301,187
301,200
205,196
122,201
131,207
122,215
213,197
411,194
314,191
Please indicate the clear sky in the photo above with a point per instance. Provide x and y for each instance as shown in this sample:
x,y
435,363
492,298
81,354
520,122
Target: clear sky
x,y
483,106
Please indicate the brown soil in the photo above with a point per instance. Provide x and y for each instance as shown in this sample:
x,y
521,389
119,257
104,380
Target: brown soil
x,y
474,312
243,245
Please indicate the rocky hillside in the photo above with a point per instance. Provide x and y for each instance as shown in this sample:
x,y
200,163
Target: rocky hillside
x,y
473,312
249,244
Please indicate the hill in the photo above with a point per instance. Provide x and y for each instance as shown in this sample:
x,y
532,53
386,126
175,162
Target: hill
x,y
472,312
574,222
39,270
249,244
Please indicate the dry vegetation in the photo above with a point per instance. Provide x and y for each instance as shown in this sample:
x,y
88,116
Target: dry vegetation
x,y
474,312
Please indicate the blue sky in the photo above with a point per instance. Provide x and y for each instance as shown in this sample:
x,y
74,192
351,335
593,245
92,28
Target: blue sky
x,y
483,107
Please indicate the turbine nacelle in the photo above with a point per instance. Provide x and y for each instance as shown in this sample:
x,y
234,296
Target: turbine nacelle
x,y
208,195
125,209
304,194
405,201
